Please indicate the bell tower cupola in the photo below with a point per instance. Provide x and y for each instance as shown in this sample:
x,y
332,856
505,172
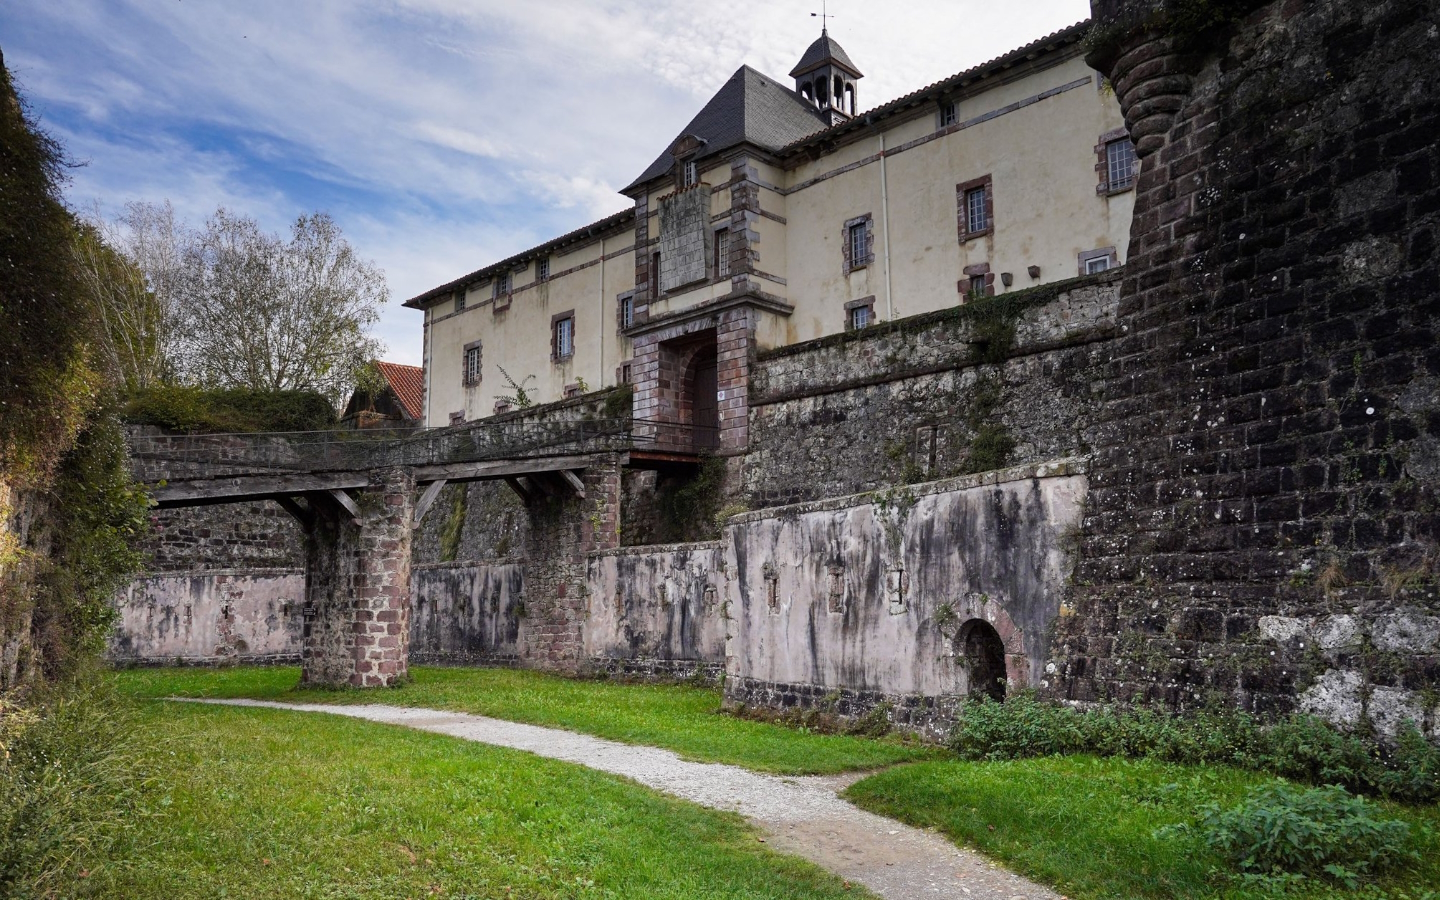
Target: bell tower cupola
x,y
826,77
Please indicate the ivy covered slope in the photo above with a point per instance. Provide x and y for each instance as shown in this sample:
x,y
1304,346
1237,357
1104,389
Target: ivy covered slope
x,y
68,515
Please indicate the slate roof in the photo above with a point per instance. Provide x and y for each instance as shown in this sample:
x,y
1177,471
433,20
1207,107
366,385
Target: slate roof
x,y
824,49
611,223
940,89
749,108
408,383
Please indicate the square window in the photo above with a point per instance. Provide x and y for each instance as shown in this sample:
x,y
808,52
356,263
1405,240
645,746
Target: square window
x,y
542,269
949,114
1120,164
472,365
722,253
1097,264
457,418
563,339
859,317
690,174
976,218
502,285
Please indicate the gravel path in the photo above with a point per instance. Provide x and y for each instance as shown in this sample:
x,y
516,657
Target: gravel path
x,y
800,815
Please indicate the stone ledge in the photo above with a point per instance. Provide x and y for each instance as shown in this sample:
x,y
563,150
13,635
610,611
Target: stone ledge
x,y
649,549
1058,468
228,573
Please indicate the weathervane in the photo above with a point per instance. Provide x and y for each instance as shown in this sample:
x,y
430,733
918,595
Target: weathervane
x,y
823,15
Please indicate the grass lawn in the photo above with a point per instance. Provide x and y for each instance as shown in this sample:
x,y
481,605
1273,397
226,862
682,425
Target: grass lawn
x,y
254,803
682,718
1087,826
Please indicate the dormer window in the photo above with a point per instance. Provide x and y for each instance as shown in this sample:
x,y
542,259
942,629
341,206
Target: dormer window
x,y
689,173
542,269
502,285
949,114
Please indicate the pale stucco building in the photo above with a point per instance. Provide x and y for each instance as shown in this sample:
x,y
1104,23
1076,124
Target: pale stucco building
x,y
785,212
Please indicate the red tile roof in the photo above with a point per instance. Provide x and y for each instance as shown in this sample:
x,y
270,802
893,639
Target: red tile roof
x,y
408,382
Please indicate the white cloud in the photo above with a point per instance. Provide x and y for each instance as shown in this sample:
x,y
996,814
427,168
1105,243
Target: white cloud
x,y
442,134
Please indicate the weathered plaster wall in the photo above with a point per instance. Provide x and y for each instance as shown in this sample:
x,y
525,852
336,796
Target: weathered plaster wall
x,y
464,614
250,615
840,601
658,611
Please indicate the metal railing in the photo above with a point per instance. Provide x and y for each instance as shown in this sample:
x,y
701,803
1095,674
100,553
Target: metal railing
x,y
172,457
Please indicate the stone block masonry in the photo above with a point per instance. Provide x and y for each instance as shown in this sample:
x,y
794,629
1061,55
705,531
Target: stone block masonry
x,y
685,238
905,401
1264,475
357,612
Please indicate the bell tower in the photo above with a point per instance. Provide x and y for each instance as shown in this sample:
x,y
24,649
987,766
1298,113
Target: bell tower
x,y
826,77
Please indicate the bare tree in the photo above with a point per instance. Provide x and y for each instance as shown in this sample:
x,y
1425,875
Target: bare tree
x,y
269,314
130,268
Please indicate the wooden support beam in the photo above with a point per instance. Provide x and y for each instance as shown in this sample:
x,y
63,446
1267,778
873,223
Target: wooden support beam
x,y
498,469
205,491
422,506
345,501
301,514
574,481
518,487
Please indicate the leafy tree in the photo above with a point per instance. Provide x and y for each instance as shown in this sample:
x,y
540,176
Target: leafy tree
x,y
270,314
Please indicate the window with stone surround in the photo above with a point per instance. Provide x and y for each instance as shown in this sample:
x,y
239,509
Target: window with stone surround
x,y
976,201
722,253
979,281
625,310
689,173
457,417
472,360
858,243
562,335
949,114
542,269
502,285
859,313
1093,262
1115,162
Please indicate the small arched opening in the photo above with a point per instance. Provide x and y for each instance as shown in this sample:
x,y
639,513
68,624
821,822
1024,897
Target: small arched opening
x,y
983,653
839,92
850,99
807,91
822,94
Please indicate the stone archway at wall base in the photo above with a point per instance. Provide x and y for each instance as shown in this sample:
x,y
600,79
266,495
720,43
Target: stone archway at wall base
x,y
979,646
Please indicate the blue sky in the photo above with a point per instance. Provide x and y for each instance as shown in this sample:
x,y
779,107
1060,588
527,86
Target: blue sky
x,y
441,134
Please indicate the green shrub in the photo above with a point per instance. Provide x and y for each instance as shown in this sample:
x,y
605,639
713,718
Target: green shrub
x,y
69,785
1305,748
1280,830
1299,747
1413,767
197,410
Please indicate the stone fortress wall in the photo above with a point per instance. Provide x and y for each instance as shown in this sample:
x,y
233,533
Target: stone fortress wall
x,y
1211,474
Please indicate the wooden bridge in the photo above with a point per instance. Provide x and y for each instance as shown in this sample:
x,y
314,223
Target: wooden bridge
x,y
359,495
